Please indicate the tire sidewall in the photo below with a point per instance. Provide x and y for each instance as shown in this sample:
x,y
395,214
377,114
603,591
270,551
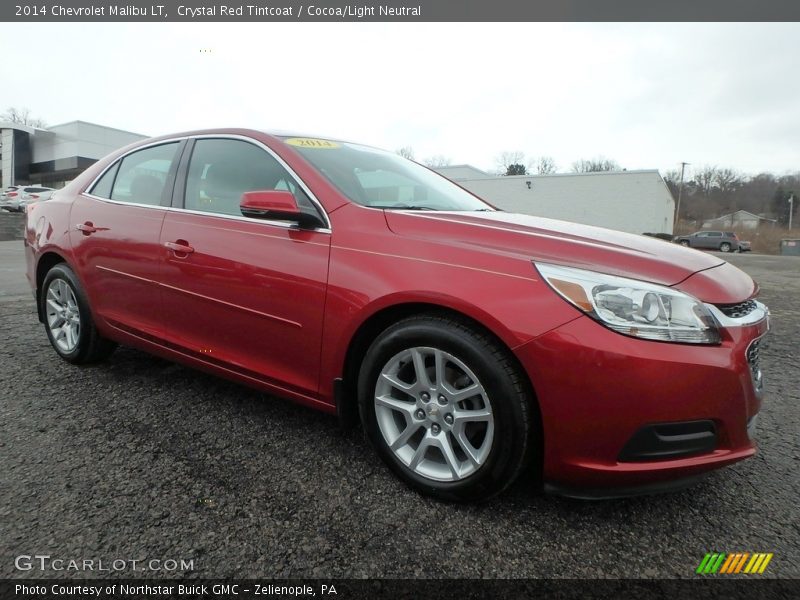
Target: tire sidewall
x,y
63,272
511,420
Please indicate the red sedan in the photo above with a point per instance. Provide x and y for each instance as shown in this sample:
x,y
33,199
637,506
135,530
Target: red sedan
x,y
473,345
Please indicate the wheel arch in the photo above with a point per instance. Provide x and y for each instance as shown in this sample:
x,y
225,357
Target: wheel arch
x,y
345,394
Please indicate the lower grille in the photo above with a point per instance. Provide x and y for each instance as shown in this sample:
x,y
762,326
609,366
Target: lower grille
x,y
754,360
668,441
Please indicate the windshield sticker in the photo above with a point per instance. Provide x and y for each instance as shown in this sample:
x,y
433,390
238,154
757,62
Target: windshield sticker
x,y
312,143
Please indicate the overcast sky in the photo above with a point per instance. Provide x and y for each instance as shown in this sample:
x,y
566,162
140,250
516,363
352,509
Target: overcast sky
x,y
645,95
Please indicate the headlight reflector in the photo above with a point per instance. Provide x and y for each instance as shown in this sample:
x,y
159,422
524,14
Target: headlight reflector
x,y
632,307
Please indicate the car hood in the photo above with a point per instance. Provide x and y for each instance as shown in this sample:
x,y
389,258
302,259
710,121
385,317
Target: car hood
x,y
558,242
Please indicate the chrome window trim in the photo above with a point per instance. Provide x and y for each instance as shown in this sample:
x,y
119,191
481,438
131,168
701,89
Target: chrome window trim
x,y
328,229
121,203
282,224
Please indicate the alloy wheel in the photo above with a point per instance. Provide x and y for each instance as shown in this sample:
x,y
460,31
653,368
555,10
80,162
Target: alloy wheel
x,y
434,414
63,315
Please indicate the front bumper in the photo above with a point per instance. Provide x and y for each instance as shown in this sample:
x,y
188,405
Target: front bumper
x,y
597,389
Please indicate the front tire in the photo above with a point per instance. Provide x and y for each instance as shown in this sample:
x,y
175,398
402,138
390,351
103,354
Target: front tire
x,y
684,243
446,407
68,320
724,247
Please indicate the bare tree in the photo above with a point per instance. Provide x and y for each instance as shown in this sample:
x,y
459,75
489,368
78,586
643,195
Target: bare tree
x,y
594,165
505,160
728,180
704,178
406,152
712,191
21,116
437,161
673,179
544,165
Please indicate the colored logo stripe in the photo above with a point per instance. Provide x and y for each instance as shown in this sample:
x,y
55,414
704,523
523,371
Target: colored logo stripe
x,y
728,562
734,562
737,562
740,564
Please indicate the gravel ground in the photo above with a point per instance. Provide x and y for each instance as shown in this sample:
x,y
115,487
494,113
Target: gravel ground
x,y
139,458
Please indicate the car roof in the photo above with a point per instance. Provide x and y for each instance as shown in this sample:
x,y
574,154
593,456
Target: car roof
x,y
247,131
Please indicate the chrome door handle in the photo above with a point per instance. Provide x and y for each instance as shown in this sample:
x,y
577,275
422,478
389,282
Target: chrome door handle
x,y
87,228
182,247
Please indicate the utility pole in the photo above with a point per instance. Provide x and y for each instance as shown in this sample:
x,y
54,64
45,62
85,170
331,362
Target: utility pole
x,y
680,193
791,210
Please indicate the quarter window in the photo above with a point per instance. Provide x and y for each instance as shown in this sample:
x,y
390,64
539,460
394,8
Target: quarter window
x,y
142,175
102,188
221,170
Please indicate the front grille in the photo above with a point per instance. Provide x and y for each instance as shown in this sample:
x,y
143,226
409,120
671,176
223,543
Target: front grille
x,y
737,311
754,360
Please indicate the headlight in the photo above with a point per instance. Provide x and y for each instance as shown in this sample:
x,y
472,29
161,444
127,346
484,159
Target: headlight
x,y
634,308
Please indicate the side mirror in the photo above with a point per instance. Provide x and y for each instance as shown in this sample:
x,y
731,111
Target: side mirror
x,y
279,205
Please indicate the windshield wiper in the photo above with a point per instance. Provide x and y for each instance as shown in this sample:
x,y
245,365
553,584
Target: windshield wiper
x,y
402,207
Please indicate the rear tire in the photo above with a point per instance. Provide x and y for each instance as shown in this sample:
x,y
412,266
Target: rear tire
x,y
725,247
68,319
465,430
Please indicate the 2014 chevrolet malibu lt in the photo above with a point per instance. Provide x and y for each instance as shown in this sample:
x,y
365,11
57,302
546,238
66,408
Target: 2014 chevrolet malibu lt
x,y
473,345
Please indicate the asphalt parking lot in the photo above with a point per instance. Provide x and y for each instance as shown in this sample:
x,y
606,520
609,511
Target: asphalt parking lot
x,y
139,458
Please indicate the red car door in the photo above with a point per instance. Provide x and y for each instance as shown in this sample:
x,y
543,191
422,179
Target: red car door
x,y
114,233
245,294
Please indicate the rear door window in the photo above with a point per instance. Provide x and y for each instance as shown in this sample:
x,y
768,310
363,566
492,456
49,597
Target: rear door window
x,y
142,175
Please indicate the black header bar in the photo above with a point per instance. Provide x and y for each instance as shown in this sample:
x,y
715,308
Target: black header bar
x,y
398,10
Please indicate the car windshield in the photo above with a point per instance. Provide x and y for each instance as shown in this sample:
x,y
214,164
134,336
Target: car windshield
x,y
381,179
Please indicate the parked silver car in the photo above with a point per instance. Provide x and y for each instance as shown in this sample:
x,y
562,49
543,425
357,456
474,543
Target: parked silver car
x,y
724,241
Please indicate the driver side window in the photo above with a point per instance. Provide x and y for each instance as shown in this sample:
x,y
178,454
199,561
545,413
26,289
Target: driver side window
x,y
221,170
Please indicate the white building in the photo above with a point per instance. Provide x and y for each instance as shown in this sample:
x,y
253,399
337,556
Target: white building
x,y
632,201
57,154
741,219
